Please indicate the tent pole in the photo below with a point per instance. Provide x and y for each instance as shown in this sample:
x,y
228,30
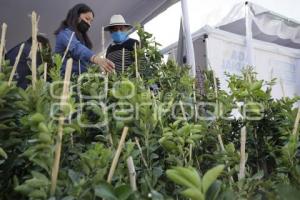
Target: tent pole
x,y
249,44
188,37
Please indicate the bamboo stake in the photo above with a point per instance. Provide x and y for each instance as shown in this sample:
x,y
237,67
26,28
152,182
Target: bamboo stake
x,y
183,111
102,39
140,149
64,97
68,46
79,67
13,71
45,71
110,139
216,91
34,47
241,174
296,124
2,42
123,60
155,109
132,173
195,101
117,155
136,61
221,143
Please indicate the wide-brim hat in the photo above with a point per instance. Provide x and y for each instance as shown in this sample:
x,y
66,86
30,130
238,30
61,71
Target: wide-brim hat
x,y
117,20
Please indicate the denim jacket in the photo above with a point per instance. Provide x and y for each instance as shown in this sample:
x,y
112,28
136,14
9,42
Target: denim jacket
x,y
77,51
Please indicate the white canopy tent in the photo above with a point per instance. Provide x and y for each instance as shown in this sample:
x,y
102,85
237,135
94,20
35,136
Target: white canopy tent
x,y
249,34
15,14
267,26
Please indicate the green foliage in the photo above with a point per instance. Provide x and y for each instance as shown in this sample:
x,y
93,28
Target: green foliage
x,y
189,178
172,125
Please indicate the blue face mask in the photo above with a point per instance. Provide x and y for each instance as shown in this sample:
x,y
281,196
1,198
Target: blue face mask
x,y
119,36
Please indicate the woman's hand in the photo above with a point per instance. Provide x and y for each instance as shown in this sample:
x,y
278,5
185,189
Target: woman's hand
x,y
105,64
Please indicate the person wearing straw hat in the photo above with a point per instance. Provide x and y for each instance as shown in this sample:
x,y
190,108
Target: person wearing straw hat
x,y
72,41
122,46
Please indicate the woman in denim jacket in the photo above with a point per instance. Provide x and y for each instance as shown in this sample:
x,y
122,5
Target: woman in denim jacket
x,y
78,21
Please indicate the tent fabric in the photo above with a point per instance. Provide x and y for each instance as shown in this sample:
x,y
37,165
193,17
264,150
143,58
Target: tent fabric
x,y
16,14
266,26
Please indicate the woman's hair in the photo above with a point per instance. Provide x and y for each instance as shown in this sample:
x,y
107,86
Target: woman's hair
x,y
41,39
71,21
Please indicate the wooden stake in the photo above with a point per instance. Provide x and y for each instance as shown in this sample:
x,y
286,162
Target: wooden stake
x,y
183,111
221,143
241,174
34,47
132,173
13,71
64,97
224,151
102,39
117,155
45,71
195,103
123,60
106,87
136,61
140,149
296,124
79,67
68,46
215,84
2,43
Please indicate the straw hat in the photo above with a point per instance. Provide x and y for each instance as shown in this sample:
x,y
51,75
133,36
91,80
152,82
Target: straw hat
x,y
116,20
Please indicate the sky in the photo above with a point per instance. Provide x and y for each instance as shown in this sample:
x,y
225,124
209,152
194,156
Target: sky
x,y
165,27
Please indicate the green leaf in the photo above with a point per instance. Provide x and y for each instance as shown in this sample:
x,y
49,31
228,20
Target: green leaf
x,y
40,176
287,192
45,138
255,86
156,195
43,128
68,198
37,117
190,174
38,194
74,176
178,178
2,153
230,148
24,189
193,193
123,192
106,191
4,88
213,191
68,130
210,176
36,183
